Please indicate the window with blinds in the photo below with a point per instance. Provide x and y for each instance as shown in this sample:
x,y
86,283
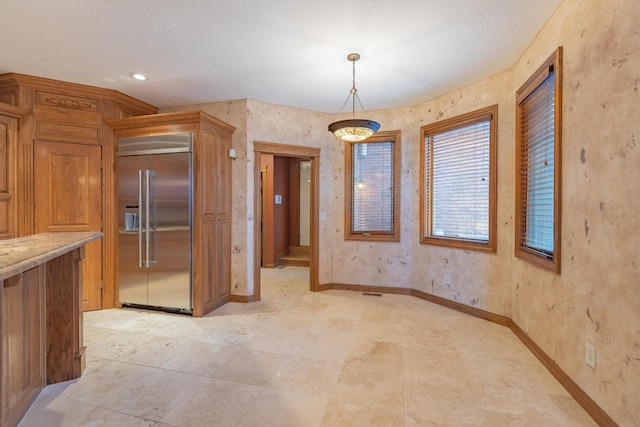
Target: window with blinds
x,y
538,166
459,181
372,187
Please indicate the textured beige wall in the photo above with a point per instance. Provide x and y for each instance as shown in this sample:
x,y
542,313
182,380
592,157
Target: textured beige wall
x,y
596,298
478,279
295,126
234,113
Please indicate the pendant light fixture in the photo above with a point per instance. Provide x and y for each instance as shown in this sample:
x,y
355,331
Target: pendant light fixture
x,y
354,129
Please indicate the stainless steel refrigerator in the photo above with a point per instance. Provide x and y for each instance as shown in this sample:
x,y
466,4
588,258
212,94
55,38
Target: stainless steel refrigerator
x,y
154,222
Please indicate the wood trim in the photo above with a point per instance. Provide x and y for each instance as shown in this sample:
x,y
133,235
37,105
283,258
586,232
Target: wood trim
x,y
375,236
520,252
583,399
286,150
308,153
366,288
61,87
488,113
314,226
13,111
258,208
462,308
110,268
242,298
166,120
272,264
294,206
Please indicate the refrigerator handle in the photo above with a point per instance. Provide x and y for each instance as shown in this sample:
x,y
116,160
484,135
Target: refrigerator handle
x,y
151,218
142,219
146,213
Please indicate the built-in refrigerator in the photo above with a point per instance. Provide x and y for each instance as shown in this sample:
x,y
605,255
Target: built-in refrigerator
x,y
155,222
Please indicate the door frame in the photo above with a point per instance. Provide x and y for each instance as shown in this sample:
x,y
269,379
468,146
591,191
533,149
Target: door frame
x,y
300,152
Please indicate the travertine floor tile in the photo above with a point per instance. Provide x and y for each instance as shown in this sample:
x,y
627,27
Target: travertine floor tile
x,y
214,403
104,379
297,358
343,413
305,375
251,367
155,394
202,358
283,409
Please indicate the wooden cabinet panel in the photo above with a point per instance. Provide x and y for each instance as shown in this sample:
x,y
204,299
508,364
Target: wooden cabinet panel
x,y
68,132
223,241
6,217
65,350
23,323
68,198
5,156
9,121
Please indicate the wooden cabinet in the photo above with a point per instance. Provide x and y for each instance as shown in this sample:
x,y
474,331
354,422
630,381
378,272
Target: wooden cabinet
x,y
61,117
9,125
211,195
23,333
41,317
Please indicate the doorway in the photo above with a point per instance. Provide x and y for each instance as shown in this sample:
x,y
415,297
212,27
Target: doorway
x,y
307,154
286,211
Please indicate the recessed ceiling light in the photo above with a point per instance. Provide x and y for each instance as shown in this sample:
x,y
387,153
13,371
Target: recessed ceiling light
x,y
138,76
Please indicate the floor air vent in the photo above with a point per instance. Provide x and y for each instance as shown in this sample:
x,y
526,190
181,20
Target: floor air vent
x,y
372,294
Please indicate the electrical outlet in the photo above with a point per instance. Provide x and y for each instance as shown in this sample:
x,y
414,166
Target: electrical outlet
x,y
447,279
590,355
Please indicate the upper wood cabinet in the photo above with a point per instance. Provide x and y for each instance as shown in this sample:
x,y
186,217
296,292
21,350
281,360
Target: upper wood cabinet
x,y
9,125
211,197
52,113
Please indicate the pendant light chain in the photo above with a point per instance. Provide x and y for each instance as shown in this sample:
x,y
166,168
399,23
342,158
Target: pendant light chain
x,y
354,91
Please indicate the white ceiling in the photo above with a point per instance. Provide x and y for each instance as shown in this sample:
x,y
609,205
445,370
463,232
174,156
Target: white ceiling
x,y
287,52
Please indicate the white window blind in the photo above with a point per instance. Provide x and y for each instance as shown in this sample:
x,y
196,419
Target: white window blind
x,y
537,112
372,187
457,174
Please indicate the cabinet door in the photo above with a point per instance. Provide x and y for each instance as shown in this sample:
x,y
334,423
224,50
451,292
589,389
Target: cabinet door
x,y
23,343
68,195
8,135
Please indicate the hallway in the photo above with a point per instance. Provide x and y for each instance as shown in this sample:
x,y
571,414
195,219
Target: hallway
x,y
297,358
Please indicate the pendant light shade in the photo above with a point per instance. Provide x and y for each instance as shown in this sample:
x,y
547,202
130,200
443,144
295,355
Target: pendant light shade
x,y
354,129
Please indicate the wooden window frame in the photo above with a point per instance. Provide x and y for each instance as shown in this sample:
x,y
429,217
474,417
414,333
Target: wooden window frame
x,y
373,235
488,113
550,262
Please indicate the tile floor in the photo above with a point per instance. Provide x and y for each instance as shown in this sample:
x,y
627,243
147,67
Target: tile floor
x,y
297,358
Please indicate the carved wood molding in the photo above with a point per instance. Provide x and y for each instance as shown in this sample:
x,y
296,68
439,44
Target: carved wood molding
x,y
69,102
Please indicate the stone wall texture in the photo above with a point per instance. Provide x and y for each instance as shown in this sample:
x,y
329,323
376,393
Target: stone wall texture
x,y
596,298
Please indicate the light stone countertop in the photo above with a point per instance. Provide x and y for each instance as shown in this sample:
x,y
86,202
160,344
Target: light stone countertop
x,y
21,254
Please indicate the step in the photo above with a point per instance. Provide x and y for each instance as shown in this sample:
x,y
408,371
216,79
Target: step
x,y
298,250
297,260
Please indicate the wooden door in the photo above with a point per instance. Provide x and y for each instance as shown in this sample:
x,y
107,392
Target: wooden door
x,y
68,197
